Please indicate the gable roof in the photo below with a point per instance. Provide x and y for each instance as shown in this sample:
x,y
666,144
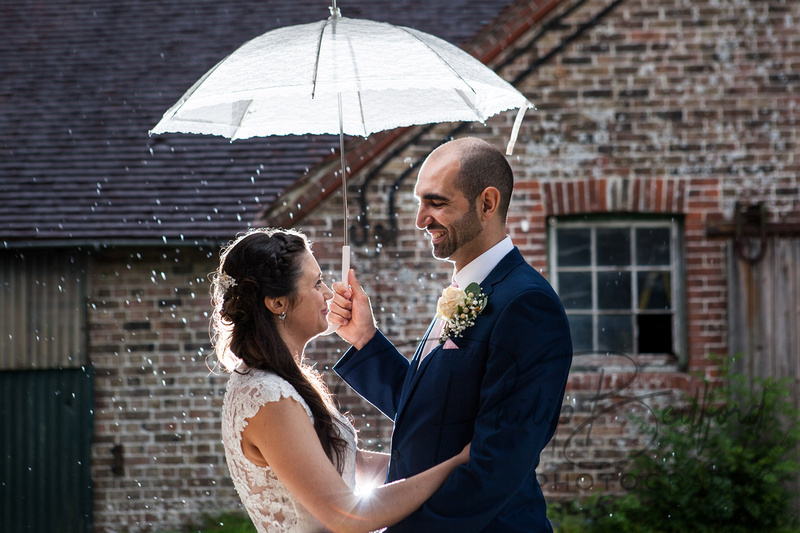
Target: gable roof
x,y
82,82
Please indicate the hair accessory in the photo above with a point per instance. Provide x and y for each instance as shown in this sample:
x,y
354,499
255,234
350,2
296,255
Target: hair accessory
x,y
282,316
225,281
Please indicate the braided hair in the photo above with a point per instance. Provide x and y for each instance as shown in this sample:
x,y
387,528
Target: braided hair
x,y
268,263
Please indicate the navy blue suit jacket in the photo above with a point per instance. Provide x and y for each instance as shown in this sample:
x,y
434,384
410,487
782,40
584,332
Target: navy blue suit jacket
x,y
501,389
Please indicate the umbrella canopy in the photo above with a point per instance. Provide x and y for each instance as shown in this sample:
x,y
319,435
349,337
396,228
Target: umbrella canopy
x,y
345,76
291,81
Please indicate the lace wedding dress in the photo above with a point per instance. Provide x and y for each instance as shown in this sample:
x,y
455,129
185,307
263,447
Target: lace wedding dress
x,y
270,505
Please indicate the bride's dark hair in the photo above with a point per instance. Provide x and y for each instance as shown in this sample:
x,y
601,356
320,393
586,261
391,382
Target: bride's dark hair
x,y
261,263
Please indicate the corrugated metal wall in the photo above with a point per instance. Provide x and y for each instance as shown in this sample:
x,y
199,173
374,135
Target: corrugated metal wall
x,y
46,393
42,311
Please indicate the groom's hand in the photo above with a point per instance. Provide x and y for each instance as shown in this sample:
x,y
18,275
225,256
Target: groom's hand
x,y
352,311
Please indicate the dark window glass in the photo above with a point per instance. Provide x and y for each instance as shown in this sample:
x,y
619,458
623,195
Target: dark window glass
x,y
655,333
654,290
581,329
614,290
575,290
615,333
613,246
652,246
574,247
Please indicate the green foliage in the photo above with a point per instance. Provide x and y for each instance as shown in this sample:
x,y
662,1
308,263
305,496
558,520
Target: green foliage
x,y
221,523
596,514
726,461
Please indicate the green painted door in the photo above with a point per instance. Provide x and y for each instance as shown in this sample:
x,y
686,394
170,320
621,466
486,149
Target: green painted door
x,y
46,420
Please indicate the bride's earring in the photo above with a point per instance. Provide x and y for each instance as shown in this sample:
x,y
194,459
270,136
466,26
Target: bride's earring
x,y
282,316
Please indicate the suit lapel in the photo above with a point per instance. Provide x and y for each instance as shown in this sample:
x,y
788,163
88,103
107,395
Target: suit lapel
x,y
413,367
416,369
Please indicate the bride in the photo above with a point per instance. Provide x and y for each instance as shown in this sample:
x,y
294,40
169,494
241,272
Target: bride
x,y
291,454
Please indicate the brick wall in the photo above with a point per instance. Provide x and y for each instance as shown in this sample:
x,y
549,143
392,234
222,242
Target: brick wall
x,y
154,395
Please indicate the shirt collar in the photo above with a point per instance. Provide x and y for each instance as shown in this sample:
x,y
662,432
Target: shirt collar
x,y
477,270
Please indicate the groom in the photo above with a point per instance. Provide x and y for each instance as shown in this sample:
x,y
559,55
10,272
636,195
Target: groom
x,y
499,385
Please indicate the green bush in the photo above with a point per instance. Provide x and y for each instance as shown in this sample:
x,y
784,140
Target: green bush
x,y
221,523
596,514
725,461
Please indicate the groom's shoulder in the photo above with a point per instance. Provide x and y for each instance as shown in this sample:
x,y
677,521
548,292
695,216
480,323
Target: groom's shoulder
x,y
519,273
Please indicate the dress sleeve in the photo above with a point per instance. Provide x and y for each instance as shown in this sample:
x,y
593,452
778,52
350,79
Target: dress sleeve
x,y
250,392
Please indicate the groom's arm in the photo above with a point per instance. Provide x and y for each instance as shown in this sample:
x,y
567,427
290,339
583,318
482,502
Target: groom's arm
x,y
530,353
372,367
376,372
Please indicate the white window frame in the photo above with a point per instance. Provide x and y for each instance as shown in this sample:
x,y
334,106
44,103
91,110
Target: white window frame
x,y
675,269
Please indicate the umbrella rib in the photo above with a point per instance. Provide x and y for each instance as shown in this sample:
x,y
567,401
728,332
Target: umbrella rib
x,y
363,120
463,96
316,63
241,119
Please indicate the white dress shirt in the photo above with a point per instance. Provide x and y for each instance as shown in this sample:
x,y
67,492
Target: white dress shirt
x,y
475,272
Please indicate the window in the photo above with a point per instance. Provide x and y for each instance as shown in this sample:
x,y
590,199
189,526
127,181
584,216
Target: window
x,y
619,281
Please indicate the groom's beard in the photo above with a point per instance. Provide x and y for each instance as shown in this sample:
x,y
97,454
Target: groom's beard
x,y
464,230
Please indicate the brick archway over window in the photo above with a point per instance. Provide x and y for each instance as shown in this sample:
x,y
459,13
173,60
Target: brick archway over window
x,y
631,195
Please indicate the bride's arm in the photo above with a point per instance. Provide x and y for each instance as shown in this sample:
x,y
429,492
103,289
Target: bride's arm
x,y
282,434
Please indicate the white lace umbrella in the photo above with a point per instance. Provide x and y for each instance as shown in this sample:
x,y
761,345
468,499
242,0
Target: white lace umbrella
x,y
345,76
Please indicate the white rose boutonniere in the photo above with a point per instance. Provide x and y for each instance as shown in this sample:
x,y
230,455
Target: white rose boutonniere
x,y
459,308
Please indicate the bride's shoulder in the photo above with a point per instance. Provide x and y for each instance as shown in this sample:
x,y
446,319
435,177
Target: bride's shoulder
x,y
257,387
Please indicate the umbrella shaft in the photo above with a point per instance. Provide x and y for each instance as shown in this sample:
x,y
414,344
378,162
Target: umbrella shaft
x,y
344,176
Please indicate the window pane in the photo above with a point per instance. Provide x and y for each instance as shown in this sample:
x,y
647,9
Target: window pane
x,y
655,333
614,290
581,328
615,334
613,246
654,290
575,289
652,246
574,247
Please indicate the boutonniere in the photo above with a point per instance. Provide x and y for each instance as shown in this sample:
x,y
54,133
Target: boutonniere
x,y
459,308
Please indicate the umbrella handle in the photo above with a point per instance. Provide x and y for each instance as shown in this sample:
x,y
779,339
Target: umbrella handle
x,y
345,271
